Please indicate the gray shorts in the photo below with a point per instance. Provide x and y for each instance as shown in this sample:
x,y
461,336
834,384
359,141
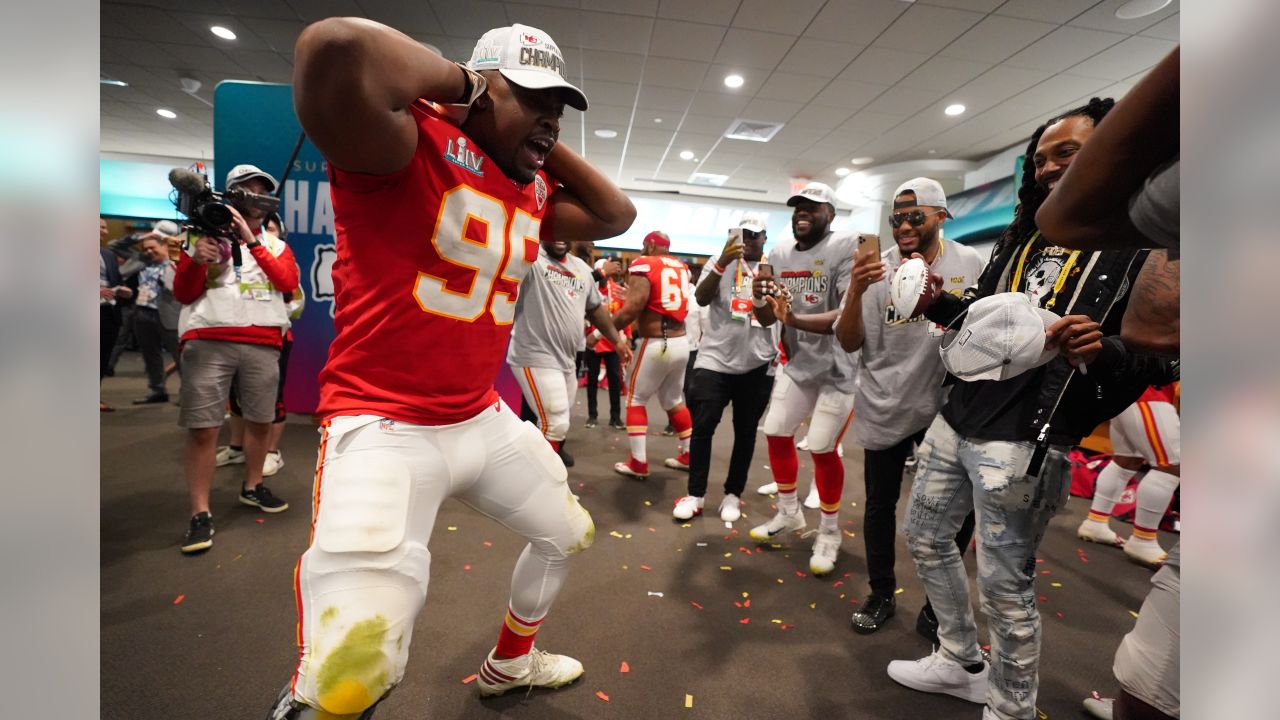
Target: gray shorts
x,y
1147,663
209,366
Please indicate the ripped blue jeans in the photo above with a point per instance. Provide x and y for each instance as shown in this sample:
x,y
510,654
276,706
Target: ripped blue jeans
x,y
954,475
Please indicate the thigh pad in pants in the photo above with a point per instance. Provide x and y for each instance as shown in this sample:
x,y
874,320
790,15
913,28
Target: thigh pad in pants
x,y
789,405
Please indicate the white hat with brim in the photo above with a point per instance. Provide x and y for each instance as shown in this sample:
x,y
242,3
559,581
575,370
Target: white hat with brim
x,y
814,192
527,57
1003,336
755,222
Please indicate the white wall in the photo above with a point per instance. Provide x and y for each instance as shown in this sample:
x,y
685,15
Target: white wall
x,y
994,168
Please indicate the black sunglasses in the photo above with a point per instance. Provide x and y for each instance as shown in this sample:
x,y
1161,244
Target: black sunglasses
x,y
750,234
915,218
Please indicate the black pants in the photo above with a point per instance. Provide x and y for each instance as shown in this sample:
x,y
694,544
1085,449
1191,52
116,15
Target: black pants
x,y
124,338
108,331
613,372
688,380
150,335
709,393
882,476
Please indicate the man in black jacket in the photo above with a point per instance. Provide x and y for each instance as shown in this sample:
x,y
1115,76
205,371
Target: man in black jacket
x,y
999,447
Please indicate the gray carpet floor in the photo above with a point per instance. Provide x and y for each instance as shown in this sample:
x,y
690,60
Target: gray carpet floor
x,y
212,635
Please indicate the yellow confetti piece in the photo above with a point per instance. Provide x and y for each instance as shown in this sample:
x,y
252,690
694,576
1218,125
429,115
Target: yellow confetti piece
x,y
1131,612
688,700
813,606
615,533
841,596
647,503
776,621
779,581
453,527
686,525
624,567
746,594
1057,584
899,591
726,567
728,554
628,536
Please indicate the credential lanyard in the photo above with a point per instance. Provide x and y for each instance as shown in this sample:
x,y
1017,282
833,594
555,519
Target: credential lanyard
x,y
1062,276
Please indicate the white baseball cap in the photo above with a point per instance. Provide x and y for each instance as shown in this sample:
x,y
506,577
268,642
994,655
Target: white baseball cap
x,y
1003,336
527,57
166,227
815,191
755,222
927,191
241,173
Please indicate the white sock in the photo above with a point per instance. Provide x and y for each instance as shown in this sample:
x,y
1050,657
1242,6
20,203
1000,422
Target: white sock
x,y
787,503
637,447
1110,484
829,522
1155,492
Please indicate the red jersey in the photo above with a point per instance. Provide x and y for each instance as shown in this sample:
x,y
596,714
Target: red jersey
x,y
667,278
429,260
614,294
1162,393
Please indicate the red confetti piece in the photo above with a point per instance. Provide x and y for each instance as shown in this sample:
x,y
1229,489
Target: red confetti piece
x,y
645,567
786,626
744,550
745,621
259,521
1060,615
800,574
178,600
468,679
837,583
1044,598
600,694
695,604
652,530
625,667
846,575
488,544
1039,560
1044,572
467,566
746,604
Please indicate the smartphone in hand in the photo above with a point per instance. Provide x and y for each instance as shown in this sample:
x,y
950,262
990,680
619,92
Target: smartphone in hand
x,y
868,249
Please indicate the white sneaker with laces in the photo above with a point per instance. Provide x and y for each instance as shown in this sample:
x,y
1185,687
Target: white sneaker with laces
x,y
825,549
768,489
1099,708
273,463
1098,532
730,508
227,456
812,501
534,669
781,524
687,507
939,674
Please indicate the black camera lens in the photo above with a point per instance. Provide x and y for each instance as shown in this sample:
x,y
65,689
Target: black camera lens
x,y
215,214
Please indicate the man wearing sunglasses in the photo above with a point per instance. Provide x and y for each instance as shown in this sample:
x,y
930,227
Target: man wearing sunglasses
x,y
899,380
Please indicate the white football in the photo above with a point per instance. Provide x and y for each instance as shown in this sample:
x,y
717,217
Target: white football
x,y
908,288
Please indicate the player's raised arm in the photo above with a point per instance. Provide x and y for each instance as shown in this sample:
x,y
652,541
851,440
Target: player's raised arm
x,y
637,295
590,206
353,82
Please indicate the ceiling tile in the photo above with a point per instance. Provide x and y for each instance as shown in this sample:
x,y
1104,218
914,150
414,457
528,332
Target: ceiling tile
x,y
602,114
614,33
199,25
788,86
1063,48
813,118
617,67
313,10
1103,17
156,25
996,38
685,40
927,29
1057,90
789,17
1167,29
753,49
943,74
649,136
204,58
560,23
668,72
883,65
558,3
857,22
1054,11
647,8
706,124
899,100
653,98
718,12
1124,59
974,5
605,92
266,65
752,79
776,111
281,35
998,83
719,104
825,58
850,94
110,28
409,18
868,123
274,9
469,18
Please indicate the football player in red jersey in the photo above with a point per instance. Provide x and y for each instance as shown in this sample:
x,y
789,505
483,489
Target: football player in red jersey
x,y
657,302
439,211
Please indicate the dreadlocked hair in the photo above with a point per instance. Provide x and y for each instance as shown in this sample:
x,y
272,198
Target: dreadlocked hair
x,y
1030,194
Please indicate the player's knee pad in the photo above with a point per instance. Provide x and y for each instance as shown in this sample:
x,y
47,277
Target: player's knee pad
x,y
830,417
558,425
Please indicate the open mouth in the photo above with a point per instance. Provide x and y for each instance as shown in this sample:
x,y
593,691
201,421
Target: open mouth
x,y
537,149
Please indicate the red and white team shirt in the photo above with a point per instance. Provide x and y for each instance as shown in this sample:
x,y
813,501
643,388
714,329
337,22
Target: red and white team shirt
x,y
667,278
429,260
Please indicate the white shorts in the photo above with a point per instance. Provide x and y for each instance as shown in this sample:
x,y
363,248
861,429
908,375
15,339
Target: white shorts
x,y
378,489
550,392
658,369
790,403
1149,430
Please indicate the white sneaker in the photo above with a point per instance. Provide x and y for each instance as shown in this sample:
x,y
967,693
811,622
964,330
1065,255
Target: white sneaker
x,y
812,501
1145,552
1098,532
535,669
227,456
1099,708
768,489
825,549
687,507
938,674
273,463
803,445
781,524
730,508
680,462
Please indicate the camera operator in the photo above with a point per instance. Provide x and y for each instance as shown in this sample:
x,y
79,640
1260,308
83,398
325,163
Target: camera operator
x,y
232,327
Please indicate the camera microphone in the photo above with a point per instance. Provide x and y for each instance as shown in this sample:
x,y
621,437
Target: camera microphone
x,y
187,182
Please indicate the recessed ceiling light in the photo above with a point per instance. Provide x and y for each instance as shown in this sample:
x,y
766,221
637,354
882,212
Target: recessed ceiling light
x,y
222,32
955,109
733,81
861,160
658,120
686,154
842,171
166,113
1140,8
606,134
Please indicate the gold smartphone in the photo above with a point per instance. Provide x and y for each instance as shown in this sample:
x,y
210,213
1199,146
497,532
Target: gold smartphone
x,y
868,249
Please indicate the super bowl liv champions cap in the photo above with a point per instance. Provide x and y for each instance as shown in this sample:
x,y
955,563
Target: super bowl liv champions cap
x,y
815,191
1003,336
527,57
928,193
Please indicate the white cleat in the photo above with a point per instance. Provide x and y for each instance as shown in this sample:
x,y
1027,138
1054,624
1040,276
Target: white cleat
x,y
781,524
730,508
1145,552
687,507
680,462
534,669
939,674
768,489
812,501
1098,532
825,549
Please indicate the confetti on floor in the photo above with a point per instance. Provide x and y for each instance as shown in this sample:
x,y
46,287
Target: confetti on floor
x,y
838,583
600,694
695,604
645,567
726,567
616,534
1057,584
467,566
452,528
654,594
178,600
468,679
776,621
260,521
701,544
1133,613
625,667
899,591
686,525
688,700
785,626
800,574
488,544
746,594
652,530
746,604
745,621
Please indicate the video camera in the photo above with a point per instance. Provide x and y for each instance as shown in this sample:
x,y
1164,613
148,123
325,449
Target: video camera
x,y
207,210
